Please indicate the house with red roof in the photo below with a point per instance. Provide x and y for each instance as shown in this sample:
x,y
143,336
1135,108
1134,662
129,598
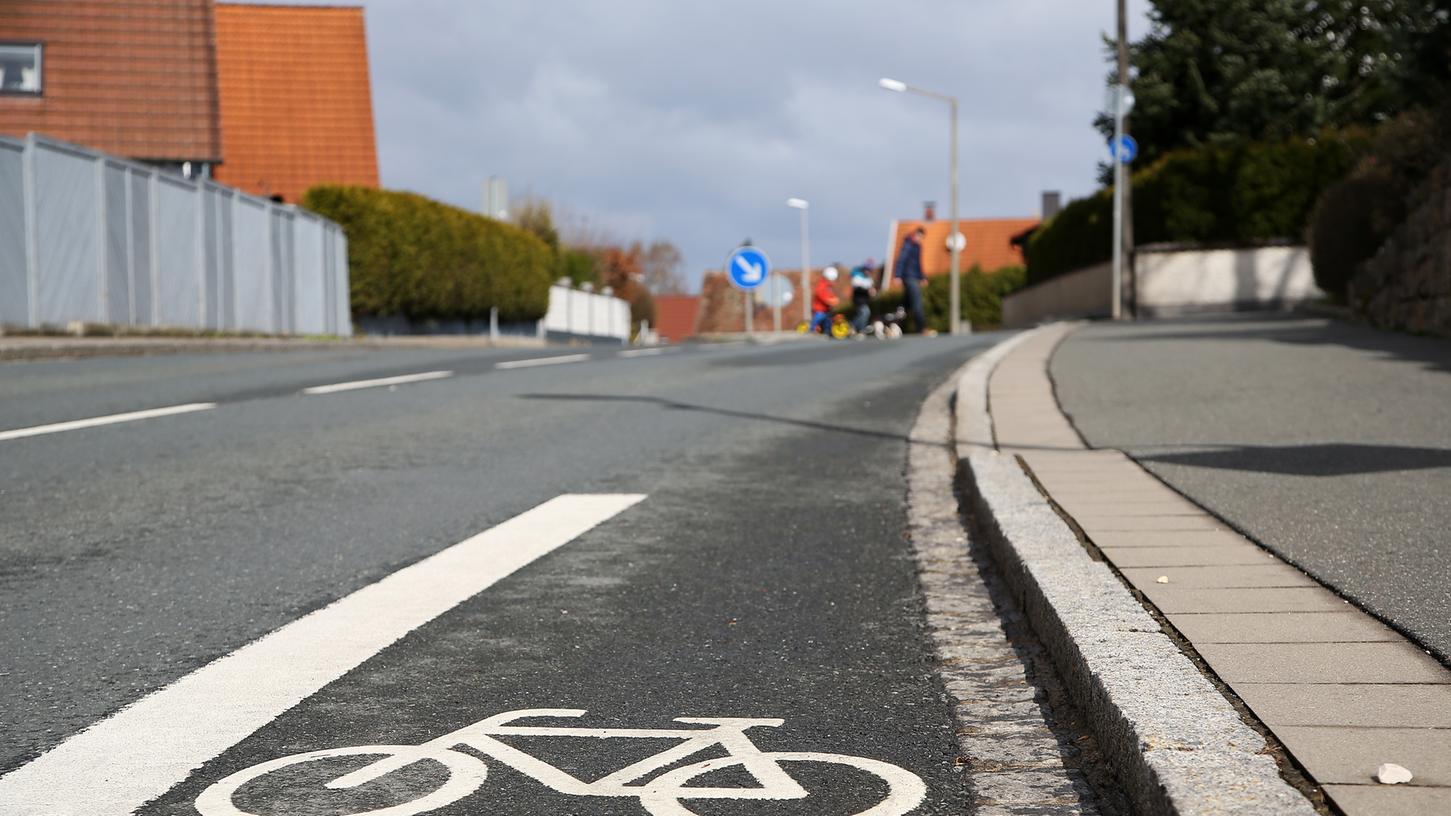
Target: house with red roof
x,y
987,242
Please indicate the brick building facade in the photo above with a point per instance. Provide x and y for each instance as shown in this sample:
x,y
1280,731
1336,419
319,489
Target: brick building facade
x,y
137,79
269,99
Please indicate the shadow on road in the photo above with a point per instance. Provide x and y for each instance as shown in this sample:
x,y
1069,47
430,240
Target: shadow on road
x,y
1311,460
672,405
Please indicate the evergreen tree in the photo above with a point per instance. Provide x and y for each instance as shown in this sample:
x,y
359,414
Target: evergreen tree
x,y
1224,71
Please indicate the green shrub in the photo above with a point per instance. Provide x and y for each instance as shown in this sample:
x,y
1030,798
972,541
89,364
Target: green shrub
x,y
412,256
1241,195
1348,228
981,298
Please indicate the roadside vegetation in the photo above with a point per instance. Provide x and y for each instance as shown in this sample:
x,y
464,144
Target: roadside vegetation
x,y
414,257
1274,121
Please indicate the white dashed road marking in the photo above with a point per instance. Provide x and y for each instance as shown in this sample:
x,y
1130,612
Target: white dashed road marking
x,y
543,361
74,425
360,384
144,750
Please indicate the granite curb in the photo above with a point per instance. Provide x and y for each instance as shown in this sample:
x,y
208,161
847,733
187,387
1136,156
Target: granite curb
x,y
1176,742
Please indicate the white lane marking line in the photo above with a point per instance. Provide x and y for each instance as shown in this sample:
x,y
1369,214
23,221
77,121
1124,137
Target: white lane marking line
x,y
142,751
358,384
151,413
647,352
544,361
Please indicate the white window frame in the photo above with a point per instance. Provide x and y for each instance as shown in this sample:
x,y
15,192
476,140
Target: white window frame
x,y
38,48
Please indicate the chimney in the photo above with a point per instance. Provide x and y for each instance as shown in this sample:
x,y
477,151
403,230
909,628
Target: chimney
x,y
929,210
1052,203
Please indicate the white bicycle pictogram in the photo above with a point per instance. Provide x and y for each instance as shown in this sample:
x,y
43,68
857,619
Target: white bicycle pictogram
x,y
660,796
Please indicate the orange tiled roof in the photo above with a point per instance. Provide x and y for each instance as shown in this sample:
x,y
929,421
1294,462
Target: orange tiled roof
x,y
677,316
296,105
132,79
988,243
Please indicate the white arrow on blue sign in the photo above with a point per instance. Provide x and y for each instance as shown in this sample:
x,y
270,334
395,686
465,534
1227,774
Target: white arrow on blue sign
x,y
1125,151
748,268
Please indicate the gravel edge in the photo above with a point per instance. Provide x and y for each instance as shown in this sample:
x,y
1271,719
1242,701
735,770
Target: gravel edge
x,y
1175,742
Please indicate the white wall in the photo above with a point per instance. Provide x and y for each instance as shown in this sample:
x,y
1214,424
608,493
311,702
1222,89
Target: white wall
x,y
1224,280
1174,282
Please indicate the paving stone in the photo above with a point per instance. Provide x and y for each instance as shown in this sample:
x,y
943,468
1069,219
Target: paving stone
x,y
1322,663
1238,576
1350,756
1217,555
1390,800
1171,599
1283,627
1370,705
1203,521
1166,538
1082,513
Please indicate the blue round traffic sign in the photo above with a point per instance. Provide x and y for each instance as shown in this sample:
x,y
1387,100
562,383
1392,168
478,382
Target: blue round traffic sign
x,y
748,268
1125,151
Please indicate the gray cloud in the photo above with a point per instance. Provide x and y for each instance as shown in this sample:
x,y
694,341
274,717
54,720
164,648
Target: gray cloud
x,y
694,121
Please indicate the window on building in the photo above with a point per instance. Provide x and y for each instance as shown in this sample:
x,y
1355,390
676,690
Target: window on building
x,y
20,68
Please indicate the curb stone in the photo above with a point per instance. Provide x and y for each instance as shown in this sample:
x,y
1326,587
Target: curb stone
x,y
1016,762
1177,744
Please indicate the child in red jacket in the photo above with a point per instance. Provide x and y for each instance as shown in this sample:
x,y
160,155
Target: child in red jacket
x,y
823,300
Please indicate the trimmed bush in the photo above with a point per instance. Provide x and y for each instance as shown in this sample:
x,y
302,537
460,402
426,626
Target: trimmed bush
x,y
982,297
1237,195
412,256
1350,225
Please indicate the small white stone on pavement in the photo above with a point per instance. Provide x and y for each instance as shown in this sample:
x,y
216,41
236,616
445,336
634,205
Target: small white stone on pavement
x,y
1162,579
1392,774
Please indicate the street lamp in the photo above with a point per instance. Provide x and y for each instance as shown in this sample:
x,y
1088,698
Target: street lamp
x,y
804,206
953,242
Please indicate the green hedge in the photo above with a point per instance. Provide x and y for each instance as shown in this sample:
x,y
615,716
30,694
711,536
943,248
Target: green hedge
x,y
412,256
1245,194
982,297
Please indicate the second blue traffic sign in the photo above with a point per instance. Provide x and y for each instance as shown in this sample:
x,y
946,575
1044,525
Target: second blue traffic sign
x,y
1125,151
748,267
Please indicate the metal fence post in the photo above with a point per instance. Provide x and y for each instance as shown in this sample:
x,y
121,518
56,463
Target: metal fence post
x,y
32,235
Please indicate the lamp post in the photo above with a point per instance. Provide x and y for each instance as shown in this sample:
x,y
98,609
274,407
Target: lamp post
x,y
804,206
953,243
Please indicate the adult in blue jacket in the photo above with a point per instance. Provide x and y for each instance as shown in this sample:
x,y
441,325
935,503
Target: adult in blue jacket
x,y
909,271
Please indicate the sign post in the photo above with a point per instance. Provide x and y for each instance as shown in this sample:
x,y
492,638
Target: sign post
x,y
748,268
1123,149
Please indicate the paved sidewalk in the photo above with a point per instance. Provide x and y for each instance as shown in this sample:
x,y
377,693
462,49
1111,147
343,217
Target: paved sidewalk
x,y
1341,691
1328,443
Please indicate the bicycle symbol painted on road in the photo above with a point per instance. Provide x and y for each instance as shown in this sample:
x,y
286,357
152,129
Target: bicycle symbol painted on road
x,y
660,796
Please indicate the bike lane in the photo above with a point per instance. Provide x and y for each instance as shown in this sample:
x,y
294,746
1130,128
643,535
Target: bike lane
x,y
771,584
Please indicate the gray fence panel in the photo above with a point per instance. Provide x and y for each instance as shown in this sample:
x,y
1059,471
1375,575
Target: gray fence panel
x,y
89,237
179,283
118,244
143,282
251,225
226,271
342,305
310,281
282,273
66,230
14,274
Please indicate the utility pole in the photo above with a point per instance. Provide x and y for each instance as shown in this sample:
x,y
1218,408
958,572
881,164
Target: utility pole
x,y
1123,184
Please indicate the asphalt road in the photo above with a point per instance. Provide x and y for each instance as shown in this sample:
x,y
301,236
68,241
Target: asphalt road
x,y
1326,442
763,574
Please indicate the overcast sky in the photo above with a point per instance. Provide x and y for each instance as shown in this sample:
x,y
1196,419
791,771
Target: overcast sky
x,y
693,121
